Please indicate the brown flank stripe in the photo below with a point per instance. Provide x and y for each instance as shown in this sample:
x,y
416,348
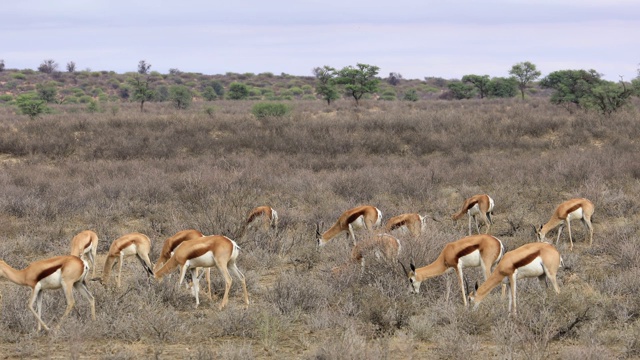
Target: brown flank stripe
x,y
124,245
573,208
526,260
254,215
353,217
468,250
48,272
176,243
198,251
397,225
471,204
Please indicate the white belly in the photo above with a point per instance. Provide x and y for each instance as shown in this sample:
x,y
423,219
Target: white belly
x,y
205,260
358,223
474,210
53,281
129,250
470,260
532,269
574,215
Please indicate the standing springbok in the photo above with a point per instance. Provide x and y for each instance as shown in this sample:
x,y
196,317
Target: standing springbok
x,y
569,210
477,205
86,243
361,217
131,244
472,251
530,260
67,272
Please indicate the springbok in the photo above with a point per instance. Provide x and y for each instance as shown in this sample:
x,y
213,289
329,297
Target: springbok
x,y
361,217
477,205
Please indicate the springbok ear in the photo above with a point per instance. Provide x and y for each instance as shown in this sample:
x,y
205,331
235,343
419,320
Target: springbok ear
x,y
476,286
412,266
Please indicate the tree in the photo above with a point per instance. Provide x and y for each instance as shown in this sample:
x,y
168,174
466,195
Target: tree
x,y
143,67
609,97
461,91
503,87
238,91
524,73
325,83
1,65
218,88
47,92
30,105
481,83
141,91
48,66
359,80
71,66
174,71
572,87
394,78
181,96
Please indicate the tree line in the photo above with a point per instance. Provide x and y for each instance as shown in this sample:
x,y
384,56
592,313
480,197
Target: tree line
x,y
571,89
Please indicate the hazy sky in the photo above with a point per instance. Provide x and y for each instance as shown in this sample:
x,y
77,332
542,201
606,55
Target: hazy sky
x,y
415,38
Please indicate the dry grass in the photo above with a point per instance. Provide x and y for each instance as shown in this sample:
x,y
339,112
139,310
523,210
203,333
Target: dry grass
x,y
163,171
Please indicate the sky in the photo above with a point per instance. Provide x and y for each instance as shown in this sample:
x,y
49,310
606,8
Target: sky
x,y
417,39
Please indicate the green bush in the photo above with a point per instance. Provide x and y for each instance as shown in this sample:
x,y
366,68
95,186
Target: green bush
x,y
389,95
262,110
411,95
6,97
30,105
19,76
238,91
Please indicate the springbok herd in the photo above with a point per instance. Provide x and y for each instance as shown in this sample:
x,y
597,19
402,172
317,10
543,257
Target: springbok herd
x,y
191,250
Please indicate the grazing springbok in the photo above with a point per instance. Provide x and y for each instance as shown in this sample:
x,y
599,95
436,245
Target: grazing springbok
x,y
128,245
569,210
267,215
477,205
361,217
531,260
86,243
206,252
382,246
472,251
412,223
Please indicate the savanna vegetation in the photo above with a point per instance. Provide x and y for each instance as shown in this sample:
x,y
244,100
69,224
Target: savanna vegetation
x,y
118,170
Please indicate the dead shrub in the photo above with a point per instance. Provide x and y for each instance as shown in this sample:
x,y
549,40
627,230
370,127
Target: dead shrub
x,y
292,292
